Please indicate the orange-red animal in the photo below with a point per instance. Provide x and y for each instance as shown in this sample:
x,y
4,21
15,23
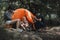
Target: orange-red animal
x,y
21,12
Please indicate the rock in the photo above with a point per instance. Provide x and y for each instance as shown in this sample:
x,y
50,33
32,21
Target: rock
x,y
57,29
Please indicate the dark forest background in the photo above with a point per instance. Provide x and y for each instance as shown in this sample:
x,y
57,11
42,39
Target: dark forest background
x,y
49,8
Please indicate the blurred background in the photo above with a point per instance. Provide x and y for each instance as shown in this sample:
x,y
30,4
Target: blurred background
x,y
50,9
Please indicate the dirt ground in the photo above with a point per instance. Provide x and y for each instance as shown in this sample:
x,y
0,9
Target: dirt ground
x,y
51,34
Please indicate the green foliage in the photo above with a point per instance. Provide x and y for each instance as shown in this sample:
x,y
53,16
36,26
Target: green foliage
x,y
35,6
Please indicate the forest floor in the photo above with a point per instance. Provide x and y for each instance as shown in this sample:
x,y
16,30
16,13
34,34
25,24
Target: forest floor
x,y
51,34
